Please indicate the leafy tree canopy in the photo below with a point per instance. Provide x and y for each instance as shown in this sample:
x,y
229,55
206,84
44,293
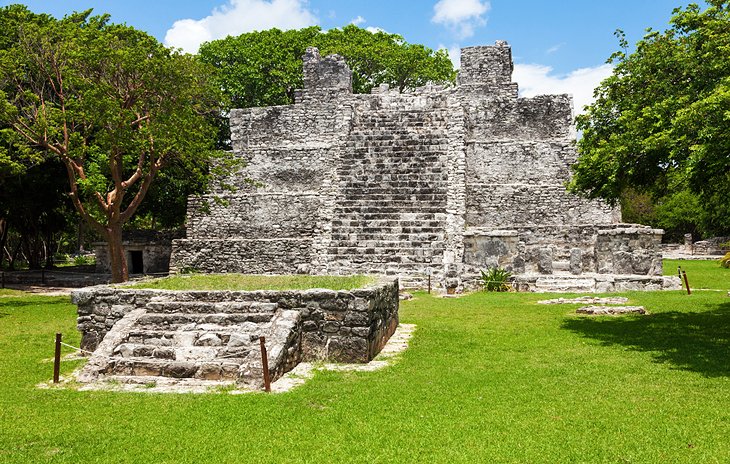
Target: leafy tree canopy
x,y
264,68
661,122
113,104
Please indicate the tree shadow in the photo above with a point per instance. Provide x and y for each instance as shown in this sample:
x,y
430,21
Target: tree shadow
x,y
13,302
692,341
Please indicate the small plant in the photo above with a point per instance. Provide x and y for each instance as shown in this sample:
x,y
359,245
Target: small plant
x,y
725,260
82,260
495,279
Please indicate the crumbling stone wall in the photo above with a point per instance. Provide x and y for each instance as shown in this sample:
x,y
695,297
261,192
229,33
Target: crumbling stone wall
x,y
408,184
343,326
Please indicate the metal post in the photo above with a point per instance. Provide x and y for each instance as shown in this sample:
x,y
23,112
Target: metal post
x,y
686,283
265,364
429,282
57,359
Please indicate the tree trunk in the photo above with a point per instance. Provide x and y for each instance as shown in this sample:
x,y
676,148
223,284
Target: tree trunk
x,y
117,258
3,239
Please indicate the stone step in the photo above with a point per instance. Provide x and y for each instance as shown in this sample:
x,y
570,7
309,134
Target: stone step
x,y
215,370
374,209
183,353
174,321
388,215
374,189
403,258
233,334
355,195
350,234
396,226
565,284
192,307
386,246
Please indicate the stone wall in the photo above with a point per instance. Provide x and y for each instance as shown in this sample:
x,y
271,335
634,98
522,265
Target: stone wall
x,y
342,326
584,249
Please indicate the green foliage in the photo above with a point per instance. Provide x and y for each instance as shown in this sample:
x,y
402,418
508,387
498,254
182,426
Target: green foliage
x,y
265,68
660,123
495,279
725,261
113,104
83,260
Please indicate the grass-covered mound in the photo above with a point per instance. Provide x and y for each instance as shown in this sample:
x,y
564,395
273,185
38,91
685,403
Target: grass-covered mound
x,y
255,282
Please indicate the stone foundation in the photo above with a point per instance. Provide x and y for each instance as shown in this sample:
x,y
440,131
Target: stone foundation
x,y
200,334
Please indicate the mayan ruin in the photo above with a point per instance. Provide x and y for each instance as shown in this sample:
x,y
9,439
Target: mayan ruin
x,y
440,182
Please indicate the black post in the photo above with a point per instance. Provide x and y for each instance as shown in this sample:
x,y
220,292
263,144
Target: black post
x,y
265,364
43,276
3,279
429,282
57,359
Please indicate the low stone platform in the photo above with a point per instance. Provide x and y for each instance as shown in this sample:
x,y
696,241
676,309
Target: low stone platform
x,y
593,283
610,310
199,336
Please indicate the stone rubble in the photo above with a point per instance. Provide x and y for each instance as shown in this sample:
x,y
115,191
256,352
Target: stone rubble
x,y
611,310
594,300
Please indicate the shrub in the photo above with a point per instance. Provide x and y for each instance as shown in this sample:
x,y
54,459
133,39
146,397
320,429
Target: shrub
x,y
725,260
495,279
83,260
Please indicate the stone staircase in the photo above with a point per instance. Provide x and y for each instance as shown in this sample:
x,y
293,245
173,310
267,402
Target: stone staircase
x,y
390,209
197,340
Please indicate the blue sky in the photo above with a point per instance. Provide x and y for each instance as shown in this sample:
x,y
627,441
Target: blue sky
x,y
558,46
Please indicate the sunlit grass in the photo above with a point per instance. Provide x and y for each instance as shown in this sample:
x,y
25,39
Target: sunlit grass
x,y
700,273
256,282
488,377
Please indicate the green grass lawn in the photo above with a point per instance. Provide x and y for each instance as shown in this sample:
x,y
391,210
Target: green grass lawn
x,y
487,378
700,274
255,282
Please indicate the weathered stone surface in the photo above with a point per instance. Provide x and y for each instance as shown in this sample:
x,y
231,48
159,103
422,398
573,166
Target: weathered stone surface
x,y
576,261
215,335
611,310
593,300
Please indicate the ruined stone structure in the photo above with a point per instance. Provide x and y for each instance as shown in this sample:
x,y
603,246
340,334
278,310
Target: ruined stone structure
x,y
441,181
142,336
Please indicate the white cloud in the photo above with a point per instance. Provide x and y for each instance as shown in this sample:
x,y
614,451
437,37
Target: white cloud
x,y
461,16
237,17
359,20
454,52
375,30
554,48
536,79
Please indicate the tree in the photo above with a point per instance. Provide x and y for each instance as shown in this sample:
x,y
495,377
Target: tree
x,y
660,123
35,210
113,104
265,68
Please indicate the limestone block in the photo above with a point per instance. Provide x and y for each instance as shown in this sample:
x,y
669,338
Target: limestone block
x,y
576,261
545,261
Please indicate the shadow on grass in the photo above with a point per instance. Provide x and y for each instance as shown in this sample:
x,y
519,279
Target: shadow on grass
x,y
693,341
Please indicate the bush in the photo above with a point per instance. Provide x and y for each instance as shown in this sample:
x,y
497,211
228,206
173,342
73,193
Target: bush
x,y
83,260
725,260
495,279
